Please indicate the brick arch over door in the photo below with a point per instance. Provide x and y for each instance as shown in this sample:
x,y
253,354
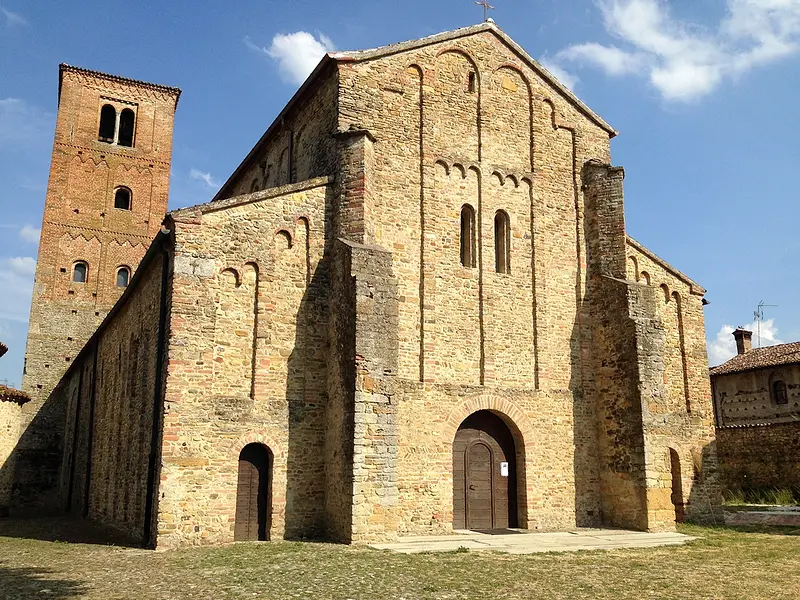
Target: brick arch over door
x,y
521,430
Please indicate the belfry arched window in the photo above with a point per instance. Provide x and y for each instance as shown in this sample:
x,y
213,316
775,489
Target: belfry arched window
x,y
502,242
80,272
126,123
122,198
108,124
780,393
123,277
468,254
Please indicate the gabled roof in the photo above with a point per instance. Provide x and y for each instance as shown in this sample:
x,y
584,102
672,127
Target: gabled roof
x,y
760,358
695,288
363,55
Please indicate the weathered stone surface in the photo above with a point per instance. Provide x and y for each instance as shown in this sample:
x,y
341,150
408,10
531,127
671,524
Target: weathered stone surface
x,y
329,317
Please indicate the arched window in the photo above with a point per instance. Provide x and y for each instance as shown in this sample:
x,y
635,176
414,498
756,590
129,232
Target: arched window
x,y
468,236
254,186
502,242
780,394
123,277
471,81
80,271
122,198
108,124
126,120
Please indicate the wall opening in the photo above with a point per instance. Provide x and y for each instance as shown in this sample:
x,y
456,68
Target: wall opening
x,y
468,254
80,272
123,277
127,119
502,242
677,486
108,124
122,198
253,494
484,474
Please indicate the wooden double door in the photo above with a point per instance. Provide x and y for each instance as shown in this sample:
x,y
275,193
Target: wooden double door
x,y
484,474
253,494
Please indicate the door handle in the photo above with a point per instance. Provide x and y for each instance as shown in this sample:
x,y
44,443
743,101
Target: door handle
x,y
472,487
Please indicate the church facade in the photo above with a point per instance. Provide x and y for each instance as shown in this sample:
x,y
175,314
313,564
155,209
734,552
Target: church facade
x,y
413,307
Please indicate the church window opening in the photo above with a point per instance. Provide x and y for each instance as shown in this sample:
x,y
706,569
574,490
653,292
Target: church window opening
x,y
471,81
108,124
80,271
123,277
502,242
122,198
254,186
468,236
126,123
780,394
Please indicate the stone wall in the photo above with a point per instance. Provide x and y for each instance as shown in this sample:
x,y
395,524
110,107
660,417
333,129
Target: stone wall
x,y
759,457
247,362
113,393
298,145
11,402
80,223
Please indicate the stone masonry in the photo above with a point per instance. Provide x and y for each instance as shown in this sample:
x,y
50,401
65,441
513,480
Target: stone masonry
x,y
319,306
82,225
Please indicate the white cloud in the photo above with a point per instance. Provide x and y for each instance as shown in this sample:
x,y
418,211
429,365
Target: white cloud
x,y
206,177
568,79
684,61
21,123
12,18
31,234
297,53
16,281
723,347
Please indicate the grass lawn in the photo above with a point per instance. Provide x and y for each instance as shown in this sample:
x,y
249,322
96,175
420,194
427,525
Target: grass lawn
x,y
728,564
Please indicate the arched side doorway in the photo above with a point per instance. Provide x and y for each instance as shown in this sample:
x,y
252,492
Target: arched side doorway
x,y
677,486
484,474
253,494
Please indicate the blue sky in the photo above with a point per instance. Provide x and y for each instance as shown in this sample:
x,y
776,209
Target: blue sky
x,y
704,95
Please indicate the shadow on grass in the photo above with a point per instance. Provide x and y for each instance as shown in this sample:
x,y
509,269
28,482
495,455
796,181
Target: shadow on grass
x,y
27,582
765,529
64,528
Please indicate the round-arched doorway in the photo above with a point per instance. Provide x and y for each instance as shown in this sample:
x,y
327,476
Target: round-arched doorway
x,y
253,494
484,474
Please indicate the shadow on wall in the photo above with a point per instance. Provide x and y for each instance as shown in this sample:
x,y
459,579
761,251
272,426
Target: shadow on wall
x,y
32,468
703,506
29,582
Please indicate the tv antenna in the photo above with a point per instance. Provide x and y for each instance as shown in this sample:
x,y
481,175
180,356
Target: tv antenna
x,y
759,315
486,8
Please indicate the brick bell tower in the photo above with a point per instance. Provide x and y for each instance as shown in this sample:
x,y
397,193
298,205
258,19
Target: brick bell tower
x,y
106,198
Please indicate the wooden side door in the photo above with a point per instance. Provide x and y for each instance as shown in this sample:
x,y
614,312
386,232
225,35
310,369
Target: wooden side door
x,y
479,492
253,495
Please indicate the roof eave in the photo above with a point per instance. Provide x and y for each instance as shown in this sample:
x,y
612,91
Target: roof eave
x,y
694,287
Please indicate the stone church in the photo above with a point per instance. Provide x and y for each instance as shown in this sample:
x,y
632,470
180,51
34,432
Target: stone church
x,y
412,308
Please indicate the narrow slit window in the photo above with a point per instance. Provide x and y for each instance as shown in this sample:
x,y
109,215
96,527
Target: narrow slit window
x,y
80,271
502,242
471,81
123,277
126,125
468,236
122,198
108,124
254,186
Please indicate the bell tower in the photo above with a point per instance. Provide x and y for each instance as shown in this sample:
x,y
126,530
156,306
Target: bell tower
x,y
106,198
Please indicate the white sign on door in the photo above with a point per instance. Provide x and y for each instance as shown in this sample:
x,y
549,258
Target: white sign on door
x,y
504,469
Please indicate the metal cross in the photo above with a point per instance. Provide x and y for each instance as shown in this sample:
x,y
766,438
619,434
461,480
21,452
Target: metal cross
x,y
486,8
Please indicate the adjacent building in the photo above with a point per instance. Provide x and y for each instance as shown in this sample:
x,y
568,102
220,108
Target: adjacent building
x,y
757,409
11,403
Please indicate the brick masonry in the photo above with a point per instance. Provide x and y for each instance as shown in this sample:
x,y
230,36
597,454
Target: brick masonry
x,y
328,316
80,223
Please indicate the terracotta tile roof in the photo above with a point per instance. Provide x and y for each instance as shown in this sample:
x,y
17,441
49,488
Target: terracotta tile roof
x,y
8,394
760,358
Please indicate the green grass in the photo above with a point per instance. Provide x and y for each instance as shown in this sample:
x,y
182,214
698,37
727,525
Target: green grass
x,y
767,497
726,563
